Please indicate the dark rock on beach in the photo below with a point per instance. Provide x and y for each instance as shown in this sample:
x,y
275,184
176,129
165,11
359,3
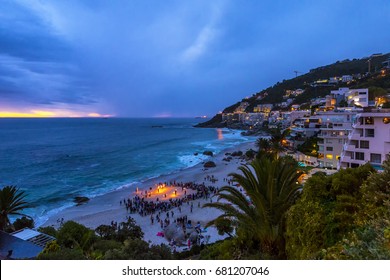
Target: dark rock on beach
x,y
237,154
209,164
80,200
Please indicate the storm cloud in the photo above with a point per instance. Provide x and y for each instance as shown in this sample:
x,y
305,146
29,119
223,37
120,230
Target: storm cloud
x,y
172,58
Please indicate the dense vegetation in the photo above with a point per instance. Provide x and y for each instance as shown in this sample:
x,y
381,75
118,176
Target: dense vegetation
x,y
309,146
343,216
111,242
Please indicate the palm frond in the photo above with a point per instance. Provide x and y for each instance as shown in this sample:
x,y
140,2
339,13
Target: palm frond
x,y
12,201
270,186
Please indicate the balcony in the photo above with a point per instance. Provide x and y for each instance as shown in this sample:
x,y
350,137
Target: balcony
x,y
355,135
331,135
349,147
345,158
357,161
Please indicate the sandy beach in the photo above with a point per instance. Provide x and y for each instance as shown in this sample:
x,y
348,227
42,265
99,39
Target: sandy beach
x,y
109,208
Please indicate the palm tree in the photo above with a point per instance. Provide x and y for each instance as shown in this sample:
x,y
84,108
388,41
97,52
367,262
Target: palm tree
x,y
265,148
11,203
272,146
270,185
263,144
277,137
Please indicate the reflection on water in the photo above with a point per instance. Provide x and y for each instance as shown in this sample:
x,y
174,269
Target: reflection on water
x,y
220,135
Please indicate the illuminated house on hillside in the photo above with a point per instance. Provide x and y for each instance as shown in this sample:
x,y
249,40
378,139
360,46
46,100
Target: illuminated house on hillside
x,y
357,97
263,108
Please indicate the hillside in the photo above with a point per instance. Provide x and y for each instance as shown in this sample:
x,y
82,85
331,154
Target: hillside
x,y
312,88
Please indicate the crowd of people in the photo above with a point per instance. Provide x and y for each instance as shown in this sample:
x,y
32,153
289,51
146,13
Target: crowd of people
x,y
162,201
143,204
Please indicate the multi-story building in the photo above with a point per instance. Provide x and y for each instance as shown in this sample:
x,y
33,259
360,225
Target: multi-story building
x,y
263,108
254,119
369,140
353,97
341,91
333,134
290,116
231,117
357,97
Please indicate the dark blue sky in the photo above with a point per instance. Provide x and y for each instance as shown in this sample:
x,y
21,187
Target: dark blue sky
x,y
171,58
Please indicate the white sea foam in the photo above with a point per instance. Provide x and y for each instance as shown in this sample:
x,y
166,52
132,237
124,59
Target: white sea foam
x,y
42,215
192,160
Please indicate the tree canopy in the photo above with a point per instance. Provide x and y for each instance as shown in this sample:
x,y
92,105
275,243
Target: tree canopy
x,y
343,216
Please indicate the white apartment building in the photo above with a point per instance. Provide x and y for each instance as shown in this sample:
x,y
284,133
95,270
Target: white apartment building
x,y
336,125
346,78
340,91
357,97
369,140
254,118
290,116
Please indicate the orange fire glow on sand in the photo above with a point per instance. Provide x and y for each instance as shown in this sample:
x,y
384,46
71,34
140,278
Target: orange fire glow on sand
x,y
50,114
162,192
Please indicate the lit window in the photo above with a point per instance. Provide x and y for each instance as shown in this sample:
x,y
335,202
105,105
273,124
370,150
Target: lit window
x,y
369,120
386,120
329,156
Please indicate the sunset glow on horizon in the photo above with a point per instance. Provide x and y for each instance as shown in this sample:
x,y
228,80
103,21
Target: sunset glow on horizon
x,y
51,114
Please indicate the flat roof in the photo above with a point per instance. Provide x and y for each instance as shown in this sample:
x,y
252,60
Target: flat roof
x,y
21,249
33,236
26,234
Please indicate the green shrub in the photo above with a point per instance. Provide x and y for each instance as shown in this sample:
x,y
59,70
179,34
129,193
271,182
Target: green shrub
x,y
23,222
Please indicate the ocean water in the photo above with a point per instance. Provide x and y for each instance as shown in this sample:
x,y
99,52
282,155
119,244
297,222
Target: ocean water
x,y
54,160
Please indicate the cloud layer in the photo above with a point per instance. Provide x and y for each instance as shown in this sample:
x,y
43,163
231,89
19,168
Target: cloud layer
x,y
171,58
